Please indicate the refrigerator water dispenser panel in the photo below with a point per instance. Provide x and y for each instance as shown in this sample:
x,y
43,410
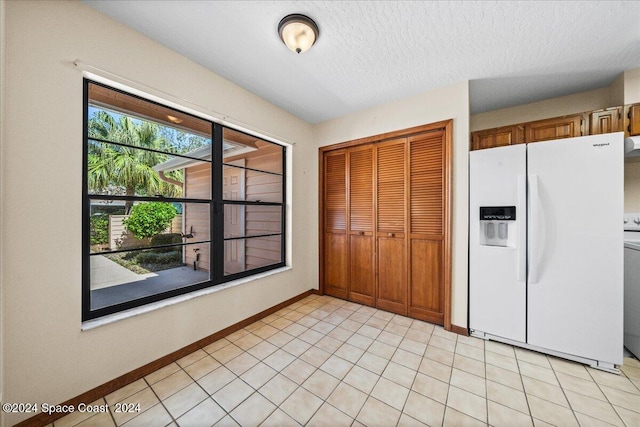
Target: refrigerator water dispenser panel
x,y
497,226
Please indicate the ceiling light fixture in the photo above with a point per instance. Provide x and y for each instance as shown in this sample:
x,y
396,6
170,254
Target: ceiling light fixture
x,y
298,32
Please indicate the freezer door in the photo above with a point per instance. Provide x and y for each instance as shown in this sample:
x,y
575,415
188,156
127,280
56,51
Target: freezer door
x,y
497,291
575,290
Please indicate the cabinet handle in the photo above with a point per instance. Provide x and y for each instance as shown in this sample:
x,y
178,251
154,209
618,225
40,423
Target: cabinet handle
x,y
390,234
361,233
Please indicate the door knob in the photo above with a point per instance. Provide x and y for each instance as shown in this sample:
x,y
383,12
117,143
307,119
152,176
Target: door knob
x,y
390,234
361,233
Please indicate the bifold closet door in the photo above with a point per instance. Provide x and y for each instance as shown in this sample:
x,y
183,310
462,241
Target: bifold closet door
x,y
384,211
391,191
427,214
335,224
360,225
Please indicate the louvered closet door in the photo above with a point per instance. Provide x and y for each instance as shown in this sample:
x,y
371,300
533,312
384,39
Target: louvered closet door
x,y
360,225
335,224
391,191
426,238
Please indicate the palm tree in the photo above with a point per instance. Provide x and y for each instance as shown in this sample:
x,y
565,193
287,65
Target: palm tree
x,y
116,166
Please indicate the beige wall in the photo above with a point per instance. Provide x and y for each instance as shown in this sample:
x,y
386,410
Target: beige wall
x,y
616,91
554,107
624,90
632,86
632,184
47,358
632,165
3,89
441,104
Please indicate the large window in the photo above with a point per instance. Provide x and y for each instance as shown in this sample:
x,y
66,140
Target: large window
x,y
172,203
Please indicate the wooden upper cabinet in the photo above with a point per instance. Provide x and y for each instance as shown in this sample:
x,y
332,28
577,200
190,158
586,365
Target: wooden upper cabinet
x,y
608,120
634,119
556,128
497,137
335,191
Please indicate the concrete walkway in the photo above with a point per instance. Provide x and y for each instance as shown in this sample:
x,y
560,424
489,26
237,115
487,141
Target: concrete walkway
x,y
112,283
106,273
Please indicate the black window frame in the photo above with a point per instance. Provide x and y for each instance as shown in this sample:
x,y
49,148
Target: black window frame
x,y
216,215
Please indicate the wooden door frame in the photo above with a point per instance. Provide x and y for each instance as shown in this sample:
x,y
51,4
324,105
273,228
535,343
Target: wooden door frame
x,y
447,127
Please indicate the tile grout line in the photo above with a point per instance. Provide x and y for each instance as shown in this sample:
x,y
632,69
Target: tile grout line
x,y
526,395
328,309
524,388
113,418
210,396
316,370
486,380
446,400
607,397
256,390
354,365
160,401
301,385
319,369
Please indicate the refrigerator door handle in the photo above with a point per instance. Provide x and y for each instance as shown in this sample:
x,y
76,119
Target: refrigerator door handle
x,y
534,222
521,250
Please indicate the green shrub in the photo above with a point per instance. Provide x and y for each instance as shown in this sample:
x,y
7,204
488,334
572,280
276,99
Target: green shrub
x,y
99,229
148,219
166,239
159,258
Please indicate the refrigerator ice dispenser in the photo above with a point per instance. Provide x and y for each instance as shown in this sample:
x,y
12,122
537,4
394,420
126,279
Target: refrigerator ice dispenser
x,y
497,226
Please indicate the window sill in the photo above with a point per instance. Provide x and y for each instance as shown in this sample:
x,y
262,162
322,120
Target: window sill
x,y
95,323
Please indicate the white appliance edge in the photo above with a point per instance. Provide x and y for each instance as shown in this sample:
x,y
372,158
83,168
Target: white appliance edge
x,y
572,301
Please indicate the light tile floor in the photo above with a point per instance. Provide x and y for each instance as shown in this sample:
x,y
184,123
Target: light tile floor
x,y
327,362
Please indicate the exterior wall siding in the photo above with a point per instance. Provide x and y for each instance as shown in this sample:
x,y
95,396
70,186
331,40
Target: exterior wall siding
x,y
196,216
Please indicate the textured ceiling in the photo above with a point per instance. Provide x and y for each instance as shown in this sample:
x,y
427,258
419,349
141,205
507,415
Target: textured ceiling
x,y
372,53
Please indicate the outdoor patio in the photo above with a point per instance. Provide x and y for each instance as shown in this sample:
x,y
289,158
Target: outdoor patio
x,y
113,284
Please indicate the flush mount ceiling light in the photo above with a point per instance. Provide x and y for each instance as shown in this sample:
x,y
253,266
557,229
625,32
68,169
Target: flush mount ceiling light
x,y
298,32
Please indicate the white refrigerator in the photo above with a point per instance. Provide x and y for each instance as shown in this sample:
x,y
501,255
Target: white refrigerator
x,y
546,247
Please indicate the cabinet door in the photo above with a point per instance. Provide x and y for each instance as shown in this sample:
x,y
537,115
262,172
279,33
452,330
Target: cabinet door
x,y
634,119
335,265
391,190
497,137
427,215
556,128
335,191
361,208
335,278
605,121
427,289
